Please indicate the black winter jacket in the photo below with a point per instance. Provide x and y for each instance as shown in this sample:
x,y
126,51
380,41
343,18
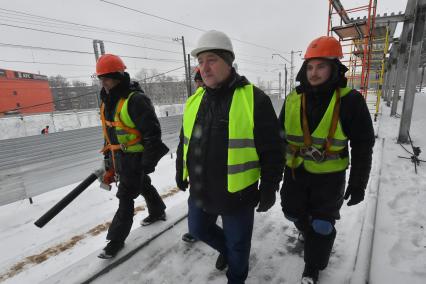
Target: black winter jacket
x,y
354,116
207,154
142,113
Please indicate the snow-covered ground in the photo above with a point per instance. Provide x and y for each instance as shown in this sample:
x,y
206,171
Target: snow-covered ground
x,y
399,238
399,248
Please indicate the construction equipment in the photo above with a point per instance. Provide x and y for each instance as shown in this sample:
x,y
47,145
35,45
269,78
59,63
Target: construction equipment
x,y
64,202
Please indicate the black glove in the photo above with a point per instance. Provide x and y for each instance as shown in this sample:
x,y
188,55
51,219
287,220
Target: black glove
x,y
267,196
148,169
356,194
181,184
152,155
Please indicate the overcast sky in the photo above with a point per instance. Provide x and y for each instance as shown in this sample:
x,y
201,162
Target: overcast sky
x,y
268,26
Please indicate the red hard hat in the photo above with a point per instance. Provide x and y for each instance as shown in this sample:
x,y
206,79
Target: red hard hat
x,y
325,47
109,63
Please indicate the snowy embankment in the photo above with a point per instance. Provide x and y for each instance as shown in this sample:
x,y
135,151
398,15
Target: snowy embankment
x,y
22,126
398,253
399,247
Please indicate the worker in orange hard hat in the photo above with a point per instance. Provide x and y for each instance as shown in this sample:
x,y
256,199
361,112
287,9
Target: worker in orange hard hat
x,y
133,147
319,118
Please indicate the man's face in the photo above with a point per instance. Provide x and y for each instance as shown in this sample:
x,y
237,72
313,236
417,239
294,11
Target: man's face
x,y
318,71
108,83
213,68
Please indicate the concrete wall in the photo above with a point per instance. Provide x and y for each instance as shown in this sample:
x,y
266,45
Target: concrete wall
x,y
22,126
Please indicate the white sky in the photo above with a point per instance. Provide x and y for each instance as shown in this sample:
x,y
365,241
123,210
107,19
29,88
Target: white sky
x,y
280,25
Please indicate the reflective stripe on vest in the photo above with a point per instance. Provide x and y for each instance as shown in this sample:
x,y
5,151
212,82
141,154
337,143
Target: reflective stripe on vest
x,y
123,136
243,160
294,136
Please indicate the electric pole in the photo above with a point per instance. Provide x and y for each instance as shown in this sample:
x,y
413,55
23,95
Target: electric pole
x,y
285,80
279,83
292,68
187,81
98,44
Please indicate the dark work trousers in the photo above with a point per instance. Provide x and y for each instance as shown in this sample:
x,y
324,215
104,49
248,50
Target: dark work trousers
x,y
233,240
307,197
312,196
129,188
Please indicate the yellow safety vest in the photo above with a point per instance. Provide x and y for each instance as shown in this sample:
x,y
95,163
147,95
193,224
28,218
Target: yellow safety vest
x,y
294,136
243,160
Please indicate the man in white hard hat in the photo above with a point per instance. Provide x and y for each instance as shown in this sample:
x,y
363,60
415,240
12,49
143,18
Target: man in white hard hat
x,y
229,142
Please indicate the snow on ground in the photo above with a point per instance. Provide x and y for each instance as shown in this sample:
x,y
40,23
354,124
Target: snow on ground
x,y
399,247
21,238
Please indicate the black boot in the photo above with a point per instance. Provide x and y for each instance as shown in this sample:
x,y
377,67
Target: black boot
x,y
318,248
187,237
111,249
310,275
153,218
221,262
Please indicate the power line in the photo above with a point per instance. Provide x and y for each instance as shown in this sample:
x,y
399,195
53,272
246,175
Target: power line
x,y
183,24
82,52
47,63
89,38
139,35
157,75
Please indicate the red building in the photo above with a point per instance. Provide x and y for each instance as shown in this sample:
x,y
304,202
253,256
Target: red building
x,y
22,92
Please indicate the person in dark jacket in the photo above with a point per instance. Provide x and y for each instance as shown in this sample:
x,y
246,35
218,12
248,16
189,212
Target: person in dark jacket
x,y
229,141
133,147
319,118
198,80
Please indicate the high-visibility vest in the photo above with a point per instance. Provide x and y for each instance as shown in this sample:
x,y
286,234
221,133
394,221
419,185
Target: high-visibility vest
x,y
243,160
294,136
129,138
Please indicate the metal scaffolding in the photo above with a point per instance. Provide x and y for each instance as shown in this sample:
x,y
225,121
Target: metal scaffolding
x,y
357,37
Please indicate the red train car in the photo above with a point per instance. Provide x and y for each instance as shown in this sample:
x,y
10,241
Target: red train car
x,y
24,93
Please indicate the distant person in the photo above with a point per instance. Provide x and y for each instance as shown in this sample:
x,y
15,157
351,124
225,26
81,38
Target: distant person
x,y
133,147
198,80
230,153
45,130
320,117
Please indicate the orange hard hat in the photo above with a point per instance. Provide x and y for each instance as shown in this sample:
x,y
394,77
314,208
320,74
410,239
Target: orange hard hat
x,y
109,63
324,46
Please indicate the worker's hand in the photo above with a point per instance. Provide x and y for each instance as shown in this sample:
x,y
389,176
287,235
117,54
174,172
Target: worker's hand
x,y
148,169
108,177
267,196
181,184
356,195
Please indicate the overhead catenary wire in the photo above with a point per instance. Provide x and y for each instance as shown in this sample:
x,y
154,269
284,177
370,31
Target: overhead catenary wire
x,y
40,20
81,52
95,28
47,63
89,38
184,25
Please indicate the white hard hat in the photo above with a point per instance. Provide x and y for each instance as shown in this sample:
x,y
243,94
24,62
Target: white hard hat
x,y
211,40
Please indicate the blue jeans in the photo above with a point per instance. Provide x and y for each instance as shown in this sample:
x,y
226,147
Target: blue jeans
x,y
233,240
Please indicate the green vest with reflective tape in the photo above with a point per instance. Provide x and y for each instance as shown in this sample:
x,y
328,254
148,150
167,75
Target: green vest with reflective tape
x,y
243,160
123,136
294,136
